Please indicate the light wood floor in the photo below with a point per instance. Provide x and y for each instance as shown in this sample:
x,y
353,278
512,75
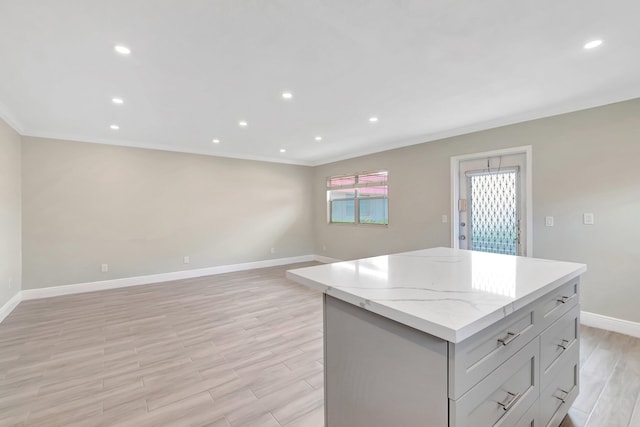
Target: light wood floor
x,y
609,381
238,349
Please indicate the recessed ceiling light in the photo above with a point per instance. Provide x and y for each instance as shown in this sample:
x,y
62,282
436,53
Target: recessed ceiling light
x,y
287,95
117,100
216,141
373,119
282,150
318,138
114,127
122,49
592,44
242,123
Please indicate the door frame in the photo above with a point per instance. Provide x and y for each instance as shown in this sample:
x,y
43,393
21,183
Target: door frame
x,y
527,150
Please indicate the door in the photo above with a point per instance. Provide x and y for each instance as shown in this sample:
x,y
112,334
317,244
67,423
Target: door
x,y
491,204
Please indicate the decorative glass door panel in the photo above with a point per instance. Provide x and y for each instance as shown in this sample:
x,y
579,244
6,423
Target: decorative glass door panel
x,y
494,213
492,205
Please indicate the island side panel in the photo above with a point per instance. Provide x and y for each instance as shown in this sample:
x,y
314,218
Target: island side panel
x,y
380,373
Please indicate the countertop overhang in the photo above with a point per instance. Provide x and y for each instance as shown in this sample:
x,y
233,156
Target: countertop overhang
x,y
449,293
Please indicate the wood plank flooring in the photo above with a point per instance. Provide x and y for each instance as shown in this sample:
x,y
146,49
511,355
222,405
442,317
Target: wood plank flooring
x,y
609,381
237,349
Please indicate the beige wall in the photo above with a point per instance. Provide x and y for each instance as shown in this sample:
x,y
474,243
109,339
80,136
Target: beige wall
x,y
582,162
140,211
10,253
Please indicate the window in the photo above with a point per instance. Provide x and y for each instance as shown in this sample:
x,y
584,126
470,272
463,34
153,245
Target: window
x,y
358,199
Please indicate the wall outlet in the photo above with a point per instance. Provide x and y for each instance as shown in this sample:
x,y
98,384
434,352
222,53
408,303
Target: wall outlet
x,y
10,282
445,219
588,219
105,268
548,221
273,250
186,260
324,248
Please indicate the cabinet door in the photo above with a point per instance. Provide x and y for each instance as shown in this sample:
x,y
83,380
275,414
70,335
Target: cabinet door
x,y
560,342
556,399
504,396
476,357
555,304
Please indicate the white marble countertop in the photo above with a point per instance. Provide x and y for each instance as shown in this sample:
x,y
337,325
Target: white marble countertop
x,y
448,293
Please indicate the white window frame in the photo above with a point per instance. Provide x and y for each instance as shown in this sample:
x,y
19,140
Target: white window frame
x,y
356,199
527,150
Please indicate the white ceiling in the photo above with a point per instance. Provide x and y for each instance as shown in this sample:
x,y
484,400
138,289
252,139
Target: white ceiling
x,y
427,69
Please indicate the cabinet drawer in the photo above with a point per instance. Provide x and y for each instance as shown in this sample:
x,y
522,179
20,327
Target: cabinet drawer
x,y
556,399
530,418
556,303
560,339
504,396
476,357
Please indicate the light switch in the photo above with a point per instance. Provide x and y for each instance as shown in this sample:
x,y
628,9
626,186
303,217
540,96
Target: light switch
x,y
548,221
445,219
588,219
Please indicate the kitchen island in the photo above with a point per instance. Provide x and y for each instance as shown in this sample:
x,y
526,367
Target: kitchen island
x,y
447,337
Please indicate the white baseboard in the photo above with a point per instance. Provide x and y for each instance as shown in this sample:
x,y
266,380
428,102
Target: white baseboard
x,y
102,285
610,324
8,307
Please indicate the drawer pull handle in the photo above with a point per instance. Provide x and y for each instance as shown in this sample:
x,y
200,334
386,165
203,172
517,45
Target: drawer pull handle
x,y
510,337
563,344
509,401
562,399
564,299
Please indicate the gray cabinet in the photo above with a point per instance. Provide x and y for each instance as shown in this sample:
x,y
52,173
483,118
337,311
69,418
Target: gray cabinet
x,y
504,396
520,371
379,372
